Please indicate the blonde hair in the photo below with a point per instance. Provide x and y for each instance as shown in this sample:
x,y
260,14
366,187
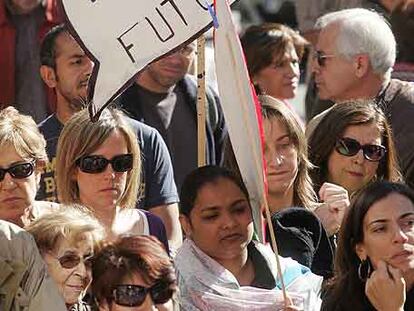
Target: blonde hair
x,y
80,137
303,192
70,222
21,132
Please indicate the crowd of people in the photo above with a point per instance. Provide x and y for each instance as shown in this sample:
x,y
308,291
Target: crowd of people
x,y
115,214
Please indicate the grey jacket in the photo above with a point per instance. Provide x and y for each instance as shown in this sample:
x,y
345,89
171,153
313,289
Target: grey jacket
x,y
24,282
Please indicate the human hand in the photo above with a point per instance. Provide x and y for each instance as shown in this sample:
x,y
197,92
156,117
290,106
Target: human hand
x,y
336,201
385,288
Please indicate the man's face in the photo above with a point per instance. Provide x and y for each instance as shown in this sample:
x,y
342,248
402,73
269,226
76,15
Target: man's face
x,y
24,6
73,70
165,73
334,75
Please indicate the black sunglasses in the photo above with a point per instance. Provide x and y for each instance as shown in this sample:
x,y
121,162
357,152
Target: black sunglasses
x,y
97,164
71,260
350,147
321,57
20,170
134,295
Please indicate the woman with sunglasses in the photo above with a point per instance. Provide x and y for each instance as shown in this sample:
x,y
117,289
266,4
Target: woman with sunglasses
x,y
353,146
135,274
98,165
66,239
22,159
273,53
374,264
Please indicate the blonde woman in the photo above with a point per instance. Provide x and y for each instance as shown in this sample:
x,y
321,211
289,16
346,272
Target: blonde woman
x,y
66,239
98,164
22,159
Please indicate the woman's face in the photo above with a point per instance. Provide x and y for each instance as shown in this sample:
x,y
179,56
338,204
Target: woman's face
x,y
147,305
103,190
220,222
280,79
71,282
281,157
354,172
16,194
388,229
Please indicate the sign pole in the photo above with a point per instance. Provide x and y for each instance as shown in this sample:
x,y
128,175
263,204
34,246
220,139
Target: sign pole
x,y
201,101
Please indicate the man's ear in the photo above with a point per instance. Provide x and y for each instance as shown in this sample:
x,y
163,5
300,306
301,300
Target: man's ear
x,y
48,75
362,65
360,251
186,225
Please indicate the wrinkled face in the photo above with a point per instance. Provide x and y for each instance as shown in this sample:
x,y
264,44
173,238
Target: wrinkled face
x,y
280,79
388,229
102,191
221,222
16,195
281,157
71,282
335,80
73,70
354,172
25,6
166,72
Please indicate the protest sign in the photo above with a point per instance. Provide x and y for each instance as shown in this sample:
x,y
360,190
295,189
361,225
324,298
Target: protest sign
x,y
122,37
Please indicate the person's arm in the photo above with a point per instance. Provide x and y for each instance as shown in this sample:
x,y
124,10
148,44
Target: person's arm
x,y
169,215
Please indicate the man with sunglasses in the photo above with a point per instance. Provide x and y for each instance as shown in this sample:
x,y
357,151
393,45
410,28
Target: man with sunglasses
x,y
67,69
164,96
353,59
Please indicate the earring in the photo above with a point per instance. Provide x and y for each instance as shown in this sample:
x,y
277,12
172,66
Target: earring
x,y
364,270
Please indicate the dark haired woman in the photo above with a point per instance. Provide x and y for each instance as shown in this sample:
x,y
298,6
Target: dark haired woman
x,y
134,273
219,266
352,146
374,265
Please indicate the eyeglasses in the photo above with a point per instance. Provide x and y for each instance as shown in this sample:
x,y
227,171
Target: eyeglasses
x,y
97,164
134,295
349,147
321,57
20,170
71,260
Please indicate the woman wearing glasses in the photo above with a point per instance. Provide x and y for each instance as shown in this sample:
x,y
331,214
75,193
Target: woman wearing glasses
x,y
66,239
352,146
273,53
22,159
133,273
98,164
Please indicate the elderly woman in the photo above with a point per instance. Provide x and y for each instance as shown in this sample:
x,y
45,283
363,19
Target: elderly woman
x,y
219,266
98,164
352,146
66,239
374,268
133,273
22,159
273,52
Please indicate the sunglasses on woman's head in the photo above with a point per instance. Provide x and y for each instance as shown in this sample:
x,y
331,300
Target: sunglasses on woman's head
x,y
97,164
134,295
349,147
19,171
71,260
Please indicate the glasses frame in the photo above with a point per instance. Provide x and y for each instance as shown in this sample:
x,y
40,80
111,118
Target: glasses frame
x,y
86,260
342,141
3,171
153,291
321,57
79,163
